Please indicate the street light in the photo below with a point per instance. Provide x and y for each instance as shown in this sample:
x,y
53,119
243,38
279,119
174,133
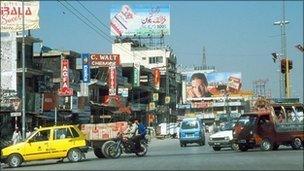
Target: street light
x,y
275,57
301,49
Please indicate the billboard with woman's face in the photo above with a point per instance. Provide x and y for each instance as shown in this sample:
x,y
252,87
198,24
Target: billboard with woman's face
x,y
200,84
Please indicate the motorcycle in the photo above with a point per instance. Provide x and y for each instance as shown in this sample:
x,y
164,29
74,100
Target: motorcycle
x,y
124,144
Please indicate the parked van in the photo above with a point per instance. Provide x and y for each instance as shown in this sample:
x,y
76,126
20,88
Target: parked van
x,y
191,131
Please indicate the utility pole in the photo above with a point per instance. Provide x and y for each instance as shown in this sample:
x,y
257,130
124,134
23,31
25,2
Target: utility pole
x,y
23,74
287,82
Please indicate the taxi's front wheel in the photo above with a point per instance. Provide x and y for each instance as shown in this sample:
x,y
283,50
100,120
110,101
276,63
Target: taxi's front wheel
x,y
74,155
14,160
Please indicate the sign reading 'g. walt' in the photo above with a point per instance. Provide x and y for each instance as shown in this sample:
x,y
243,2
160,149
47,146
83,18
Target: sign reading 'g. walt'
x,y
65,90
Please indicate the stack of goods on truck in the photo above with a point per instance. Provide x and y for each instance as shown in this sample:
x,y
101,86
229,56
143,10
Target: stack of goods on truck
x,y
103,131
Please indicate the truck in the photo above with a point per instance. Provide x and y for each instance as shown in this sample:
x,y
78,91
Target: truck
x,y
270,125
99,134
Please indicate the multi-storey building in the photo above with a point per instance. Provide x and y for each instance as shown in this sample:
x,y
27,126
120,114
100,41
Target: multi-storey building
x,y
156,58
37,81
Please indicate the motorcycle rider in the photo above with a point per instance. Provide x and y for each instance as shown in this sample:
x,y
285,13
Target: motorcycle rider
x,y
134,133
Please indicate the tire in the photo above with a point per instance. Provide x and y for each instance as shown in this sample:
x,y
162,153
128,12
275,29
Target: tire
x,y
243,147
74,155
113,152
266,145
296,143
14,160
216,148
98,153
105,147
235,147
143,152
275,147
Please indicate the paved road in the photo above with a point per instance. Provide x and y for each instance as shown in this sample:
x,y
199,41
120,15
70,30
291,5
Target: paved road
x,y
168,155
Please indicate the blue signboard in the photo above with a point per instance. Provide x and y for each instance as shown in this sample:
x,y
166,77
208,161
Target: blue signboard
x,y
86,67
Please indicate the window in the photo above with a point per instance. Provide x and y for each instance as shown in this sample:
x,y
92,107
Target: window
x,y
189,124
143,58
62,133
43,135
75,133
155,59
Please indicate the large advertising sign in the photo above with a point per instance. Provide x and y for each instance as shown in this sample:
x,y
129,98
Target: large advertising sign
x,y
86,68
199,84
65,90
141,20
8,63
112,82
105,59
11,15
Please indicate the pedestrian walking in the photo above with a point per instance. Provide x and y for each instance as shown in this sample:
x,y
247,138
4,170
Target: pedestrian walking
x,y
28,133
16,136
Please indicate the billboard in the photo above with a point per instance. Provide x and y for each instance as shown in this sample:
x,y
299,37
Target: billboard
x,y
200,84
140,20
8,63
105,59
11,15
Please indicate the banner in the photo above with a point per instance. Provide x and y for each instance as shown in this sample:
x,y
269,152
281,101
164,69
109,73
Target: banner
x,y
8,63
112,81
105,59
11,15
86,68
200,84
65,90
141,20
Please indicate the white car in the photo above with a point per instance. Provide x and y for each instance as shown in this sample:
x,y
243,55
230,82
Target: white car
x,y
223,138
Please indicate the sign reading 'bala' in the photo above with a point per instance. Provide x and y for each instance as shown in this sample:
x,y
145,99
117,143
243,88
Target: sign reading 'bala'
x,y
105,59
11,15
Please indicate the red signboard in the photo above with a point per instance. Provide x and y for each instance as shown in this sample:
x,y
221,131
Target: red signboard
x,y
105,59
156,73
202,105
112,81
48,101
65,90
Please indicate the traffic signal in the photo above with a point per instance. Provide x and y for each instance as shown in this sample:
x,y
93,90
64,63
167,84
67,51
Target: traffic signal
x,y
289,64
283,65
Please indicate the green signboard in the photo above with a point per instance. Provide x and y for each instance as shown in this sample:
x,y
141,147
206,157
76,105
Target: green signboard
x,y
136,75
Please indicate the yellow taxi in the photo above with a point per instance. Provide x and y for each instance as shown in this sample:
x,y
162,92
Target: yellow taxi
x,y
54,142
